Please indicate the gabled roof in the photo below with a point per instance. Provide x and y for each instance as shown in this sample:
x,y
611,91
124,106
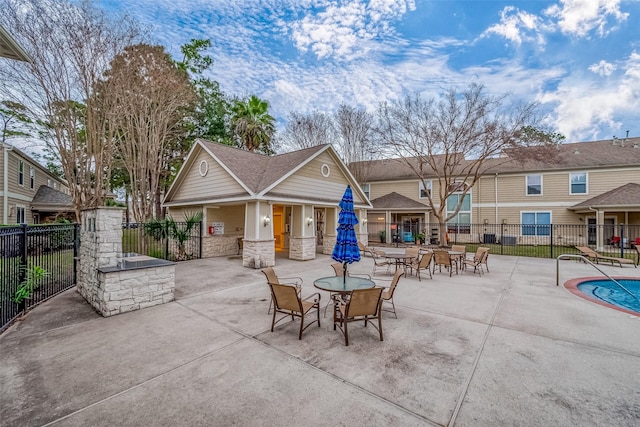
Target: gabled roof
x,y
257,171
396,201
10,49
49,199
627,195
574,156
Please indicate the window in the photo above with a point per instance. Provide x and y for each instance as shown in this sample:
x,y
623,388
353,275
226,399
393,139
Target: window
x,y
21,173
424,192
536,223
578,183
48,182
534,185
20,215
367,189
32,178
461,223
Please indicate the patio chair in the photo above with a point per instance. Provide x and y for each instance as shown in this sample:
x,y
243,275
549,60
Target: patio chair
x,y
363,305
442,258
479,258
414,252
387,293
272,277
379,260
593,255
338,268
423,264
479,251
286,300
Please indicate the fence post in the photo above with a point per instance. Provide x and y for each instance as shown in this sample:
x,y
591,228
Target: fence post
x,y
200,239
551,240
165,224
621,240
502,239
76,246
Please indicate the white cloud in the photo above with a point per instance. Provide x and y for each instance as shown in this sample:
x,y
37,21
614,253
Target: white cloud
x,y
580,17
517,26
584,107
603,68
345,29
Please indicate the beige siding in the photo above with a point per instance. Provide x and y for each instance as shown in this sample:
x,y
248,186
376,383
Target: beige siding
x,y
310,181
217,181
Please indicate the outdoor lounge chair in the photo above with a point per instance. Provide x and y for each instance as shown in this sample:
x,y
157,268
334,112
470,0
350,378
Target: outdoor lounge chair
x,y
478,259
338,268
594,256
272,277
286,300
423,264
363,305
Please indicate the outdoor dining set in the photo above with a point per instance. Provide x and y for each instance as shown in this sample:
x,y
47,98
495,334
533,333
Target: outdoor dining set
x,y
356,297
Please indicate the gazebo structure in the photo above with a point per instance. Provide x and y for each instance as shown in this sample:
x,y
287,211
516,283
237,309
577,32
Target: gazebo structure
x,y
263,204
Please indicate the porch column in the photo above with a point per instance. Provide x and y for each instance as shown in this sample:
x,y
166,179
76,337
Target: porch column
x,y
331,223
302,244
259,244
361,231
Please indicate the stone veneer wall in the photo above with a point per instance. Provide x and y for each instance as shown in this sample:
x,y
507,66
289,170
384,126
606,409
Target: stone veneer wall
x,y
302,248
127,290
259,253
100,247
328,242
213,246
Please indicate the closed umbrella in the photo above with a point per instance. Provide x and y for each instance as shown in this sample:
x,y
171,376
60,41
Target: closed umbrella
x,y
346,249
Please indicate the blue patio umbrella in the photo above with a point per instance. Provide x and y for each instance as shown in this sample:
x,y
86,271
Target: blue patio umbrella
x,y
346,248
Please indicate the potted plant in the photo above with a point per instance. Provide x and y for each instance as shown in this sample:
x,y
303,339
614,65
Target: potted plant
x,y
420,238
383,236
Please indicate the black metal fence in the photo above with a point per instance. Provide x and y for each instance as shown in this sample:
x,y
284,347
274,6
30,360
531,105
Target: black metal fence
x,y
36,262
174,241
535,240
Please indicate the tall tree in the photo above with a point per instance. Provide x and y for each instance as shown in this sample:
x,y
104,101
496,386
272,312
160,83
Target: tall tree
x,y
356,140
453,137
253,126
146,97
307,130
14,120
71,44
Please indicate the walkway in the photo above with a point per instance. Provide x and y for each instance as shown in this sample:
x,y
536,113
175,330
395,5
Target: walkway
x,y
506,349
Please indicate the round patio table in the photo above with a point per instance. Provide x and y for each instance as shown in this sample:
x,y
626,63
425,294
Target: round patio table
x,y
342,284
400,259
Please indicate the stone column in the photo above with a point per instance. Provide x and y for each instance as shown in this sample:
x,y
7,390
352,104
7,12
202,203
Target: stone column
x,y
258,253
100,247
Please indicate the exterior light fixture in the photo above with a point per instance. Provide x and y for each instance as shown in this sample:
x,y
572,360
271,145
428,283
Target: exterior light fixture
x,y
364,220
309,221
266,220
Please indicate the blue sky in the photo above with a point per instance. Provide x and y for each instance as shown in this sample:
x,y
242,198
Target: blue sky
x,y
580,59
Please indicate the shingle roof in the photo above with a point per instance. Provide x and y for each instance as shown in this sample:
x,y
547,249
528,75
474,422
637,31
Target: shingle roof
x,y
577,155
47,197
627,195
396,201
258,171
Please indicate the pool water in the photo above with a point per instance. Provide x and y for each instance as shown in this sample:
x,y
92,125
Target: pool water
x,y
609,292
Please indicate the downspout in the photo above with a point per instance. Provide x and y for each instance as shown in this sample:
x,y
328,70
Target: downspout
x,y
5,185
495,186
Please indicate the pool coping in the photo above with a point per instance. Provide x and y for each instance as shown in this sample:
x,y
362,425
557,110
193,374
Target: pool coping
x,y
572,286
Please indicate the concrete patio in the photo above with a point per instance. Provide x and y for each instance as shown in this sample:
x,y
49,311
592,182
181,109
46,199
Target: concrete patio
x,y
508,348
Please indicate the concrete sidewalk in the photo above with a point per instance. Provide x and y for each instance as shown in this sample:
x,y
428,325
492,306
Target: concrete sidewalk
x,y
508,348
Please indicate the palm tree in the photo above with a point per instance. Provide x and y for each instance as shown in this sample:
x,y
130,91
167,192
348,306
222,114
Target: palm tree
x,y
253,125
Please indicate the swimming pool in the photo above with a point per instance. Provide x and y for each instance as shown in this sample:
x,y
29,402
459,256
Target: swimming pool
x,y
608,293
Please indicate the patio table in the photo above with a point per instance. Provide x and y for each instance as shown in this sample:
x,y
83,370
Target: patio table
x,y
399,259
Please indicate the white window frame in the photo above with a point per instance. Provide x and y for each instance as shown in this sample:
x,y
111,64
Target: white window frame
x,y
470,212
421,188
586,186
366,189
522,224
32,177
526,184
21,173
24,214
